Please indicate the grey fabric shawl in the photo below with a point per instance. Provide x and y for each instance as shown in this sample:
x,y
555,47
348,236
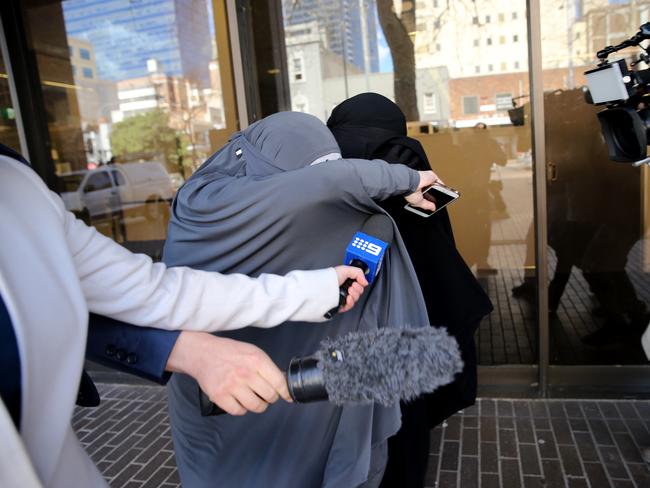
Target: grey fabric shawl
x,y
257,206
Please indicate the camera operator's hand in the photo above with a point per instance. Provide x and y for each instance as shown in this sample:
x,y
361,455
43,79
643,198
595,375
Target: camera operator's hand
x,y
237,376
416,199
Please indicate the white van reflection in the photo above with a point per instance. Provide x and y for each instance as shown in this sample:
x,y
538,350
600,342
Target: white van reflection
x,y
113,189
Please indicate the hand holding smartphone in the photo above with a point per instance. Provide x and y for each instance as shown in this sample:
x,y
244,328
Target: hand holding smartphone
x,y
441,195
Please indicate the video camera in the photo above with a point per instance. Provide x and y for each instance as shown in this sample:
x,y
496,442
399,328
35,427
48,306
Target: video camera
x,y
625,122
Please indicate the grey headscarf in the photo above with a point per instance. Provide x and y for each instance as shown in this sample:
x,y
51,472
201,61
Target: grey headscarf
x,y
257,206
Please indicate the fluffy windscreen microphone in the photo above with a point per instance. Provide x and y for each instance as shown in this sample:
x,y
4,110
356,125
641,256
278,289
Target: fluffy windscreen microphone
x,y
382,366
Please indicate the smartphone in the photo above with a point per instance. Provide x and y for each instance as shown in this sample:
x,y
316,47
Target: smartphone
x,y
437,193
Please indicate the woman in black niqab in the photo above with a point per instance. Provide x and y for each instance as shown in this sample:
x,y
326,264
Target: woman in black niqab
x,y
370,126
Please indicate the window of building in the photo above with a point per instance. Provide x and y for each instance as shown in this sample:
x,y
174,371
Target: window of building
x,y
430,105
477,69
438,47
502,17
436,24
475,20
84,53
514,15
475,42
502,39
88,72
71,51
298,66
435,3
487,19
516,64
515,38
470,105
503,101
490,67
489,41
503,67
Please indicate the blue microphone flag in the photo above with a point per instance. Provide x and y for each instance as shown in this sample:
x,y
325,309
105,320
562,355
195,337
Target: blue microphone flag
x,y
368,249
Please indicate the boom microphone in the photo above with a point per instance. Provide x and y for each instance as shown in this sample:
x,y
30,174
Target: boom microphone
x,y
382,366
366,251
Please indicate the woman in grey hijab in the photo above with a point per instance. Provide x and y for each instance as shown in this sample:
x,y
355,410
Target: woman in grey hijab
x,y
260,205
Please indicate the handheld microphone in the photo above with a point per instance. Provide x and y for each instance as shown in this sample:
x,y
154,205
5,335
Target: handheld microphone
x,y
382,366
366,251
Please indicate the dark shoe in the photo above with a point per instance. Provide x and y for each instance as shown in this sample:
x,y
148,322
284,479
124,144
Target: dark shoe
x,y
609,334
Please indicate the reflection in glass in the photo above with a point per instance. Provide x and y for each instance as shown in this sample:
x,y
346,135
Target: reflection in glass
x,y
133,94
458,72
8,131
598,293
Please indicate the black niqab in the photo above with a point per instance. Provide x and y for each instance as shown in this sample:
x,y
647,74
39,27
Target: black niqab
x,y
370,126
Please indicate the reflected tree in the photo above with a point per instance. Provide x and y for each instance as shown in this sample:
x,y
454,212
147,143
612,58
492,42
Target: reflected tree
x,y
144,136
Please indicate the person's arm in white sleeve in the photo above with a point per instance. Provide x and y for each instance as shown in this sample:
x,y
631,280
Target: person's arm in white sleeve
x,y
130,287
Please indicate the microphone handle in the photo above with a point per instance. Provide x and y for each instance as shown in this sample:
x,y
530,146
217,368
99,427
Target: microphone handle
x,y
343,290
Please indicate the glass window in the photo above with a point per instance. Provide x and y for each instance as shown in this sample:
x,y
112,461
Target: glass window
x,y
470,105
502,17
515,38
502,39
8,129
147,98
350,47
514,16
599,270
487,19
430,105
503,101
490,67
298,68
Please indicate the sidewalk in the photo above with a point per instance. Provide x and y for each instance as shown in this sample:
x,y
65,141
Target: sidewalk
x,y
497,443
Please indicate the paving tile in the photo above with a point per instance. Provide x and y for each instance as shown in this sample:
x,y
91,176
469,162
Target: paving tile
x,y
521,408
617,426
471,411
449,456
490,481
573,409
447,479
640,474
627,410
510,473
591,410
489,462
488,407
160,475
586,447
596,475
609,410
579,425
529,459
469,473
534,482
613,463
556,409
570,460
506,422
600,432
524,428
623,484
470,442
470,422
577,483
629,450
542,423
546,444
488,429
507,444
561,430
553,473
452,431
538,408
125,475
504,408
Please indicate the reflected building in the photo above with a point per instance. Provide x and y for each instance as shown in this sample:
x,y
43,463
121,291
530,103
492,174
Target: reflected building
x,y
125,34
348,28
319,81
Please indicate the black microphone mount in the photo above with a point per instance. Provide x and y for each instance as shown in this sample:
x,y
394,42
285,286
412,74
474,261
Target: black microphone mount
x,y
635,40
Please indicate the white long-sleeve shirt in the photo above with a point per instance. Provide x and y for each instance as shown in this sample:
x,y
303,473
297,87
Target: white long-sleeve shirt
x,y
54,269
